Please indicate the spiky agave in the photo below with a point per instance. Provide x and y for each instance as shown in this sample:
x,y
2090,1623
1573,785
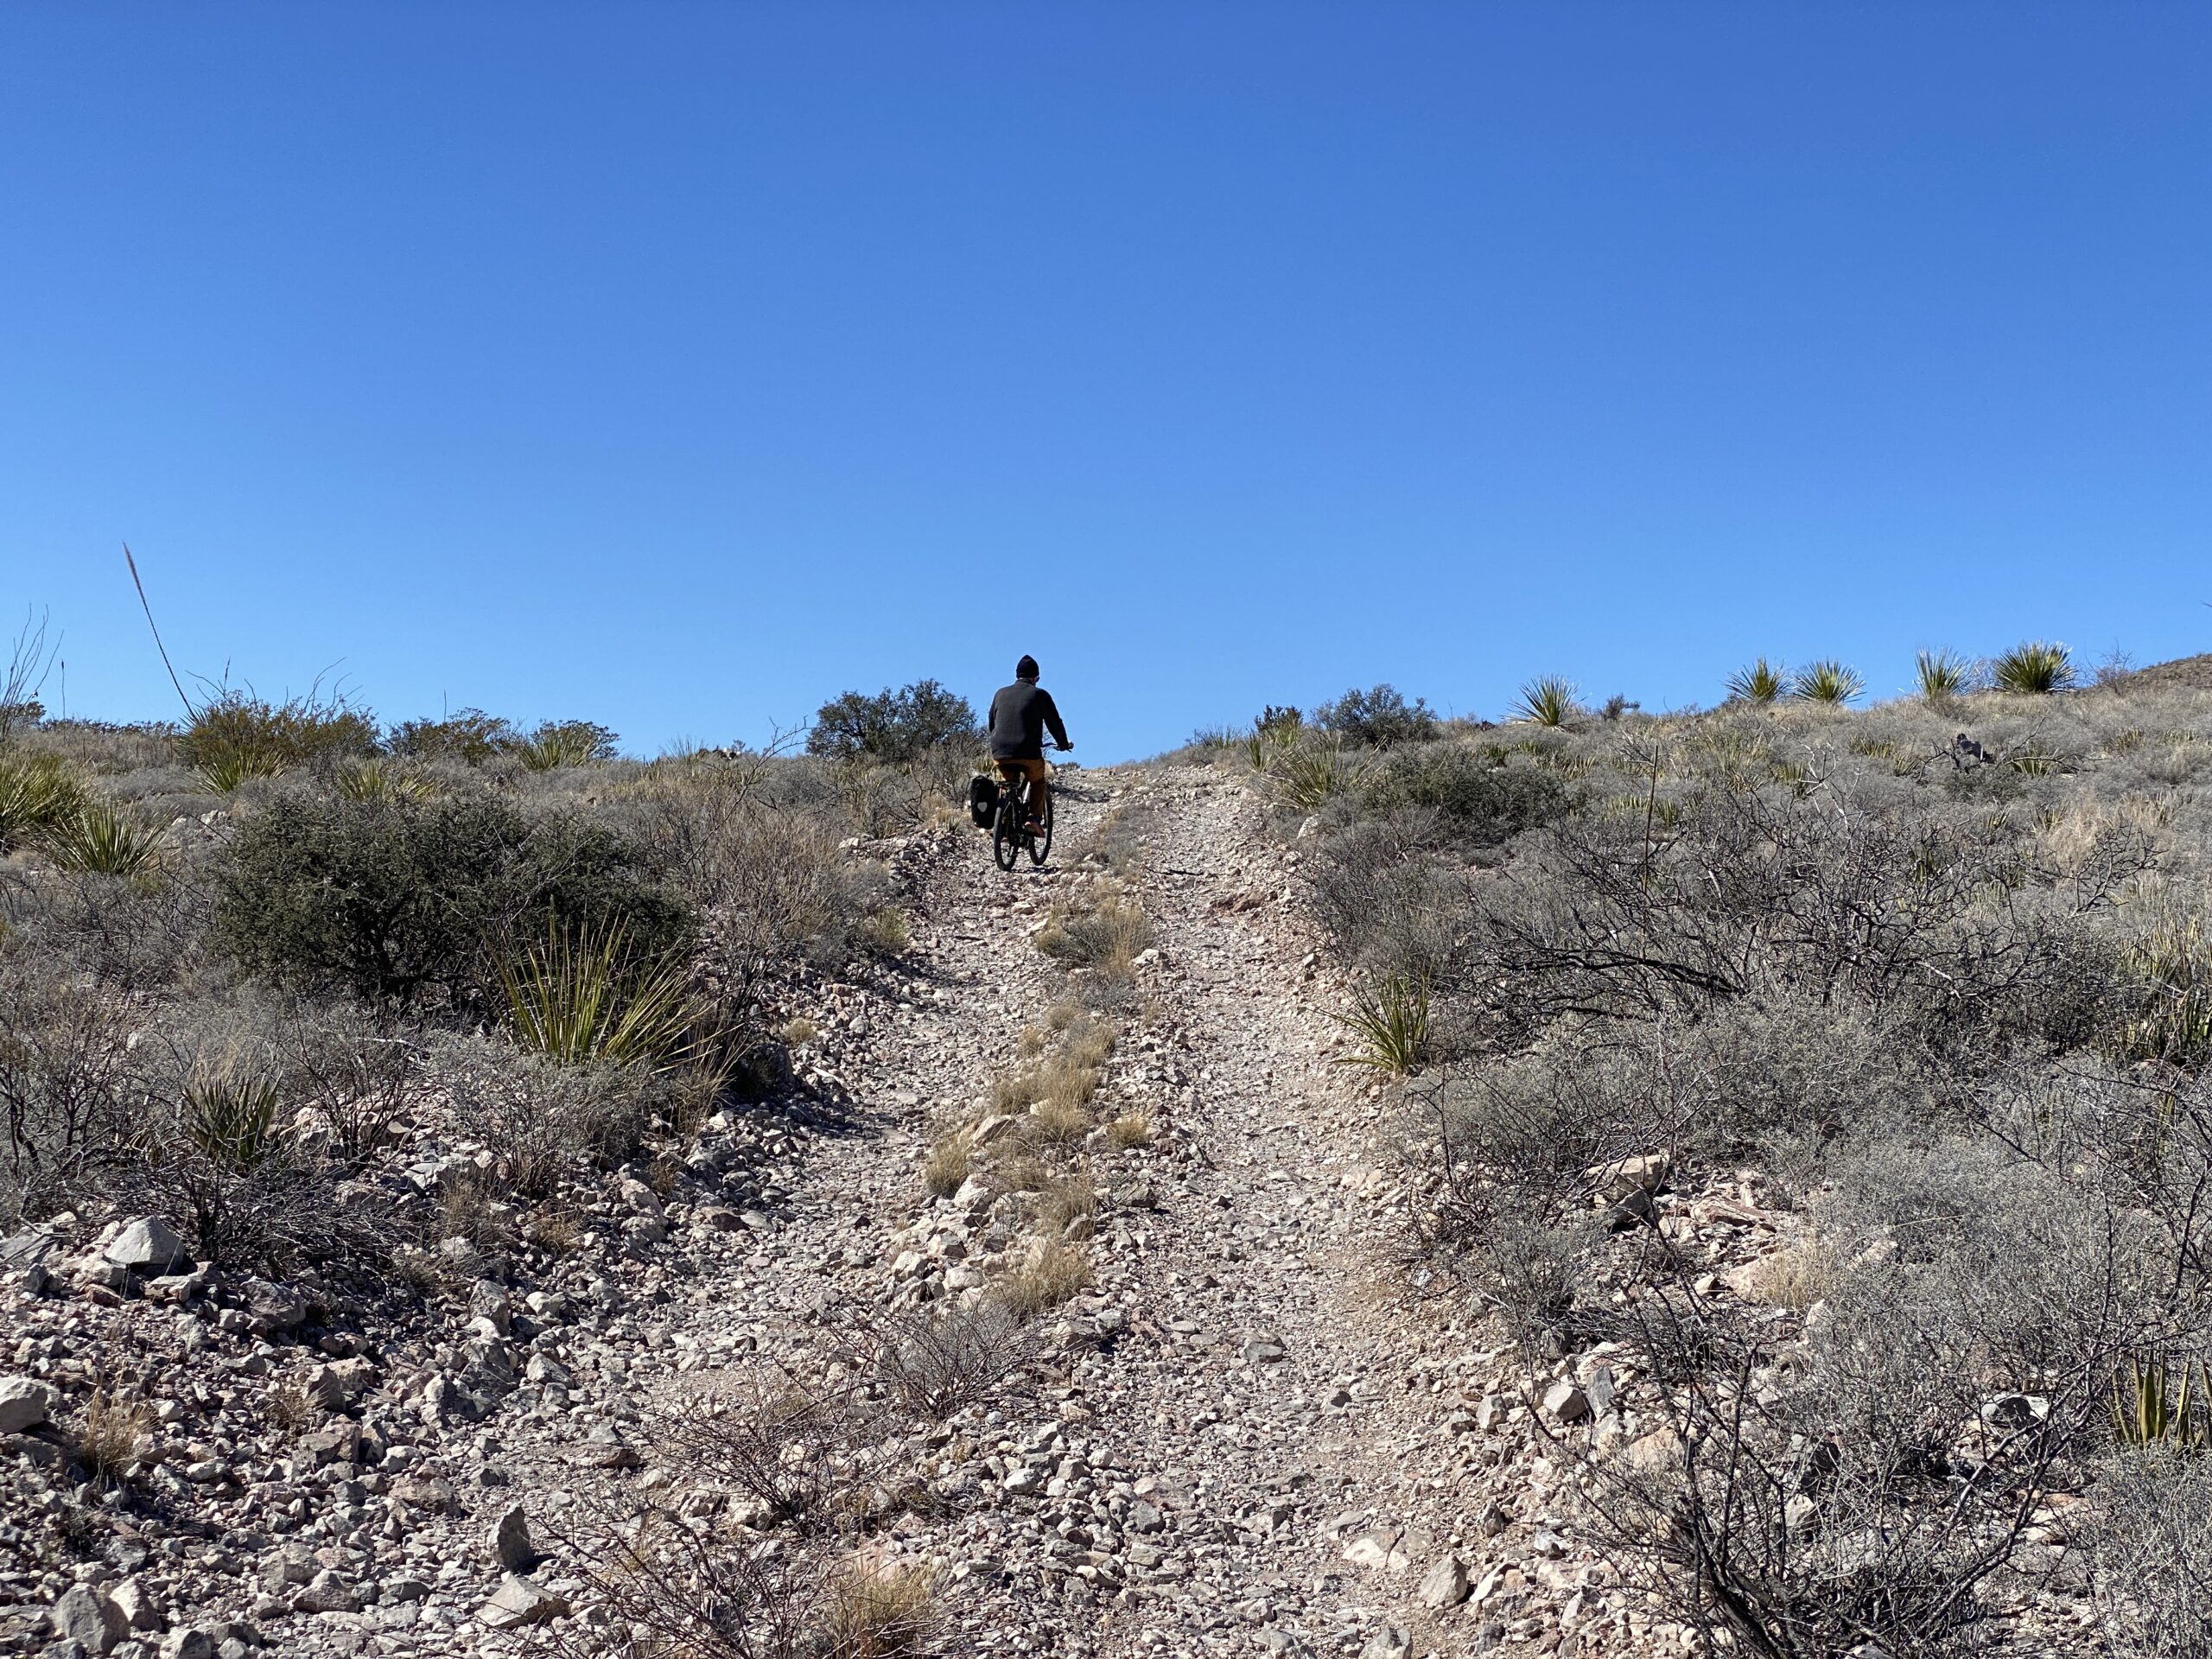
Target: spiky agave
x,y
1828,682
2034,669
1759,682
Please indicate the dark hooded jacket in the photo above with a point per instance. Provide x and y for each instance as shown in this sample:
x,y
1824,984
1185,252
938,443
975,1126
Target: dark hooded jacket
x,y
1020,715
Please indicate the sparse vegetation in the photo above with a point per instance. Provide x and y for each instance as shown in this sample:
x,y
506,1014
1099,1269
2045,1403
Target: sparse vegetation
x,y
2036,669
1760,683
1827,682
1548,701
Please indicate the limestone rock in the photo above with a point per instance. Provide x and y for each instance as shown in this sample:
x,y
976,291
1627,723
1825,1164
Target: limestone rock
x,y
518,1602
85,1614
147,1245
1445,1584
511,1545
25,1403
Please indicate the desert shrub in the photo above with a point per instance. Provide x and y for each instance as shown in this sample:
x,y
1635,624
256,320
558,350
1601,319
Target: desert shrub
x,y
1388,1025
69,1084
1760,683
1377,718
2150,1533
471,736
379,779
1827,682
1380,887
937,1362
238,736
1478,802
1306,775
892,726
403,900
128,931
581,998
537,1119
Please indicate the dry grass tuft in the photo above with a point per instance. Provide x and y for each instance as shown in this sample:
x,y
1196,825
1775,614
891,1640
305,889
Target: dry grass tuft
x,y
1794,1277
874,1609
1068,1208
1053,1273
950,1163
1130,1130
800,1031
555,1228
108,1443
1104,934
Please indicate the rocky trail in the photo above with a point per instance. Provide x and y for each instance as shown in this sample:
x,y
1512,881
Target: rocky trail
x,y
1241,1436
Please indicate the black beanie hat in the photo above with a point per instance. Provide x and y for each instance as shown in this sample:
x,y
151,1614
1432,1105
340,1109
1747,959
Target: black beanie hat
x,y
1026,669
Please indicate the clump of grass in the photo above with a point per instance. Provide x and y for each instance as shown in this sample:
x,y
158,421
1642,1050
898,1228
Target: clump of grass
x,y
800,1030
555,1228
38,794
1760,683
229,772
1794,1277
1547,700
1389,1023
948,1166
1068,1208
2035,669
1827,682
292,1409
878,1610
108,1443
101,839
1053,1273
1103,936
1130,1130
1942,675
1056,1122
575,1000
886,932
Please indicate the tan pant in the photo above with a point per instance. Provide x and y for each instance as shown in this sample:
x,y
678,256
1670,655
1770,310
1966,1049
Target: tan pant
x,y
1031,776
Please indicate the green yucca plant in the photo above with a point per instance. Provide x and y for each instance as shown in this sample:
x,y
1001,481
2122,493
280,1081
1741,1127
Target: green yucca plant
x,y
37,793
1307,775
1942,675
1547,700
231,1117
234,767
575,999
2145,1412
1827,681
1389,1023
2172,965
565,743
2034,669
1761,682
379,779
101,839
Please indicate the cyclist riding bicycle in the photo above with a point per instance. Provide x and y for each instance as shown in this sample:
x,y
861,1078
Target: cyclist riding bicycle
x,y
1020,715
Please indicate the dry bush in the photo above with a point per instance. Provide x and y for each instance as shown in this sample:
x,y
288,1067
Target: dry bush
x,y
2150,1535
938,1363
68,1081
537,1118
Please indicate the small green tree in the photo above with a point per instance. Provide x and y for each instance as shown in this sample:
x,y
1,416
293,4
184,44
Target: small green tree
x,y
1378,717
895,726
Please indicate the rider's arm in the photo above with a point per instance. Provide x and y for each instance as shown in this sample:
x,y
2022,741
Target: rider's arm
x,y
1053,722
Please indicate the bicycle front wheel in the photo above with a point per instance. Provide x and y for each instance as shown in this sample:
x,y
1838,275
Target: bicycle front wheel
x,y
1041,842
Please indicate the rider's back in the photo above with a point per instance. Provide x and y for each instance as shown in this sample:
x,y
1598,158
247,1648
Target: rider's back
x,y
1020,715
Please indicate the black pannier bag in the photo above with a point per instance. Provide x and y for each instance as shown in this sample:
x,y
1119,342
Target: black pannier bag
x,y
983,801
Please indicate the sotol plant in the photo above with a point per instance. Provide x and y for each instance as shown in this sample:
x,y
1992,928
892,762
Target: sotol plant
x,y
1547,700
37,793
1389,1023
1828,682
2034,669
575,999
2145,1412
1760,683
101,839
1942,675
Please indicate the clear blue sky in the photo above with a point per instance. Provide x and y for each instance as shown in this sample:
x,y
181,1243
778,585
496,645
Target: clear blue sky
x,y
681,366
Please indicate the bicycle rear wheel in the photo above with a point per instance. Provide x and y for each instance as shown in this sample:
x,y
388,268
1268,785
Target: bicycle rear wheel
x,y
1006,829
1041,842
